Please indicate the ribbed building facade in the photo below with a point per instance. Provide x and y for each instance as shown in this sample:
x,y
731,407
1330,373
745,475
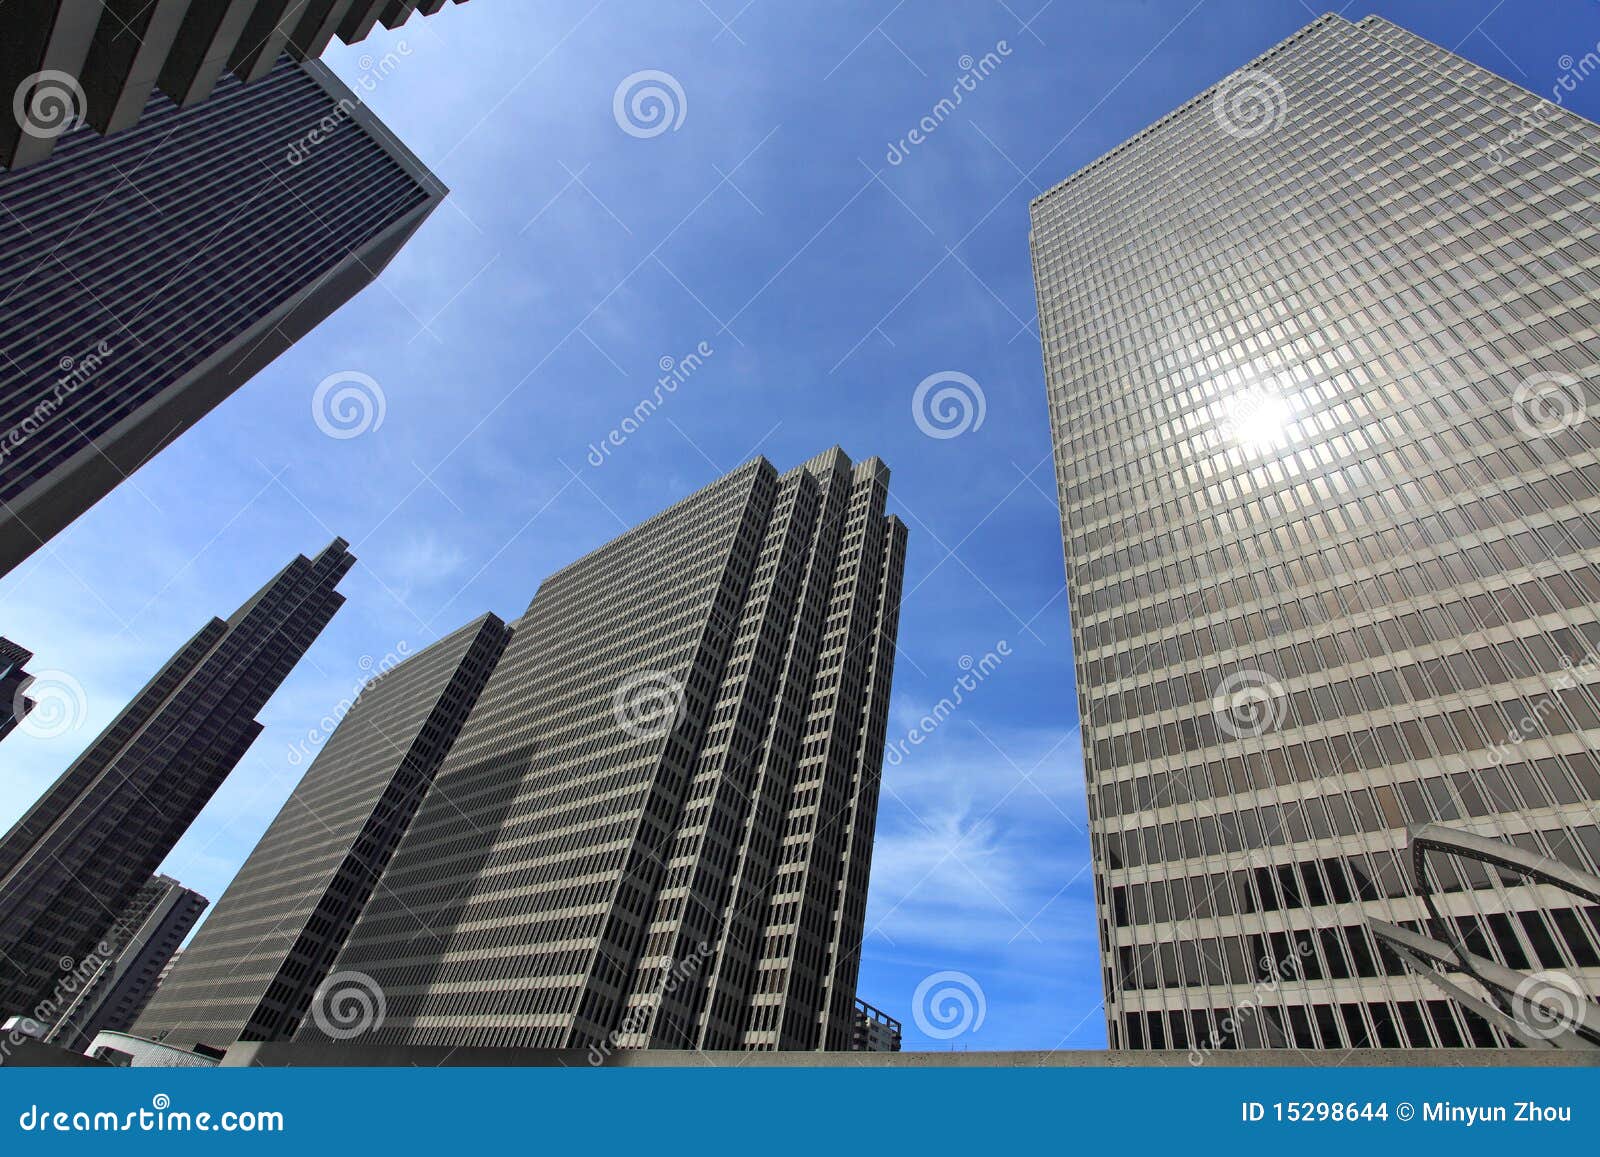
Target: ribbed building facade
x,y
1322,355
14,701
73,863
98,61
656,829
253,967
150,274
143,940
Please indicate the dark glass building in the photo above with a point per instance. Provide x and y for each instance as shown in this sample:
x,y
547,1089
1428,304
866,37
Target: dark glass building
x,y
255,964
14,703
98,61
1323,348
147,275
73,863
656,828
143,940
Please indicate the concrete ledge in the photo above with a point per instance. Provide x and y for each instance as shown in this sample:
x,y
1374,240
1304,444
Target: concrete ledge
x,y
247,1054
35,1054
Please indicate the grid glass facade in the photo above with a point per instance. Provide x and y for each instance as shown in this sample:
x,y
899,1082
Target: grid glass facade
x,y
1322,350
149,274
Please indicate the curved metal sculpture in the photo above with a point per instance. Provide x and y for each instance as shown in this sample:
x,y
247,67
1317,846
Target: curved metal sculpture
x,y
1537,1010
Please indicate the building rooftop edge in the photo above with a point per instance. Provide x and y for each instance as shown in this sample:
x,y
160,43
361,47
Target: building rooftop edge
x,y
1321,21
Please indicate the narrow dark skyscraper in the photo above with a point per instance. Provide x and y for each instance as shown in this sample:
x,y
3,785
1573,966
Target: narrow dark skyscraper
x,y
1323,361
72,864
252,969
143,940
656,828
150,274
14,703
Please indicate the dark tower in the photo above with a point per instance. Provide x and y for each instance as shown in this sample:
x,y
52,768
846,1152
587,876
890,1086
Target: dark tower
x,y
143,941
73,862
14,702
150,274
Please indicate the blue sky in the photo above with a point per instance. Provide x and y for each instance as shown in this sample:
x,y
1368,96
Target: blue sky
x,y
531,314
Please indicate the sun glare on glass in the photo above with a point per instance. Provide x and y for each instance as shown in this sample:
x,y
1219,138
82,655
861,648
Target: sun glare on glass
x,y
1257,418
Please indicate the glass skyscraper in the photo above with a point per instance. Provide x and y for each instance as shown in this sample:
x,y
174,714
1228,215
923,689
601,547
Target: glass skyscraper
x,y
1321,348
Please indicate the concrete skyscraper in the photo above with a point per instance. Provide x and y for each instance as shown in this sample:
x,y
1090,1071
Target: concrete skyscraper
x,y
656,828
252,968
143,940
875,1030
72,864
1322,356
151,273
